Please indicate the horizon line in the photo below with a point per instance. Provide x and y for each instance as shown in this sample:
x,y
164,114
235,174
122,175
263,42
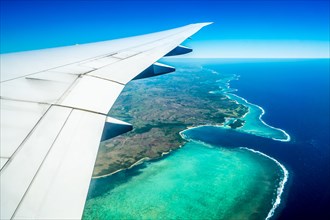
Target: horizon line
x,y
246,57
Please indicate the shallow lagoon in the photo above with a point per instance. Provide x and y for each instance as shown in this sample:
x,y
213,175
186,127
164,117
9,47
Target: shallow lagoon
x,y
254,123
197,181
210,177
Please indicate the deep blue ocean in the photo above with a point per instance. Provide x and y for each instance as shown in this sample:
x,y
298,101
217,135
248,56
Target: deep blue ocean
x,y
295,96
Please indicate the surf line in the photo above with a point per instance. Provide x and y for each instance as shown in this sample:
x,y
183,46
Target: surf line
x,y
288,138
141,161
282,183
226,90
280,189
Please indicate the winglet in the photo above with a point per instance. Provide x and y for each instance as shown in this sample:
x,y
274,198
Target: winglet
x,y
206,23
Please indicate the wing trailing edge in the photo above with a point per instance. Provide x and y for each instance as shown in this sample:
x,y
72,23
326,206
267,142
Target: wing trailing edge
x,y
54,103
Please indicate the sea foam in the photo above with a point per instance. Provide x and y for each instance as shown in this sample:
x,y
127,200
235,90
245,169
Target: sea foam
x,y
226,90
280,189
287,139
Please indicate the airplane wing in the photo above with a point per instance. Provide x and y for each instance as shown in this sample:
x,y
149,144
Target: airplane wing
x,y
54,106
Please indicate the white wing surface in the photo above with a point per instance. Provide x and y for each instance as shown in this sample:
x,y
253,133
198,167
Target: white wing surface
x,y
54,106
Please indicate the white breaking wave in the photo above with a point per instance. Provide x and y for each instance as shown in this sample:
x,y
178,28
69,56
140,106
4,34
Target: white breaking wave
x,y
280,189
288,138
229,92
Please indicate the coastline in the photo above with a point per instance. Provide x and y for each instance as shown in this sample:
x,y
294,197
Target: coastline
x,y
141,161
227,92
282,183
280,189
133,165
292,189
293,202
288,138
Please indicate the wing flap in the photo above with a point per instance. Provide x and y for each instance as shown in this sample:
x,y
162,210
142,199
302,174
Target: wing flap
x,y
45,87
125,54
122,71
20,170
101,62
3,161
53,76
53,122
17,119
76,69
63,179
93,94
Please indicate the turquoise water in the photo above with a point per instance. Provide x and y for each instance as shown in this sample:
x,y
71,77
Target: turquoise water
x,y
195,182
200,180
254,123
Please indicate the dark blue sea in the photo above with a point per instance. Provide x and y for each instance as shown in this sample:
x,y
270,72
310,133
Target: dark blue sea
x,y
295,95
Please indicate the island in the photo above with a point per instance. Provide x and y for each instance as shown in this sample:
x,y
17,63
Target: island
x,y
159,108
236,123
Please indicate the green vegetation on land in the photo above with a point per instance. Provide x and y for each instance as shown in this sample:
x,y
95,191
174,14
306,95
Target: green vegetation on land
x,y
159,108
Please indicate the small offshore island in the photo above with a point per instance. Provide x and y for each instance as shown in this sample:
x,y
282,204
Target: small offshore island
x,y
237,123
160,108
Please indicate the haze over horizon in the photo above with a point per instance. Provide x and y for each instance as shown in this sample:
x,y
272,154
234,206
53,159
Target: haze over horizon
x,y
241,29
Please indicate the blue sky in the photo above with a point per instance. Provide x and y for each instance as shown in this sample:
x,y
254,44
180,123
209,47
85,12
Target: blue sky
x,y
282,28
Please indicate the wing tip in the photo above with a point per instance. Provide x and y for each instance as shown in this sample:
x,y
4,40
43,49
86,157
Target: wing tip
x,y
203,24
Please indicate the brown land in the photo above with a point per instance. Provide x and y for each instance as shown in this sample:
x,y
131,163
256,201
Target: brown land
x,y
159,108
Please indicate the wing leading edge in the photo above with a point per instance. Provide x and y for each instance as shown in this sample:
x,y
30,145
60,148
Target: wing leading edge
x,y
54,106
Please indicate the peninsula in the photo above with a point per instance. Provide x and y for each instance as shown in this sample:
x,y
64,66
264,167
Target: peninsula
x,y
159,108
